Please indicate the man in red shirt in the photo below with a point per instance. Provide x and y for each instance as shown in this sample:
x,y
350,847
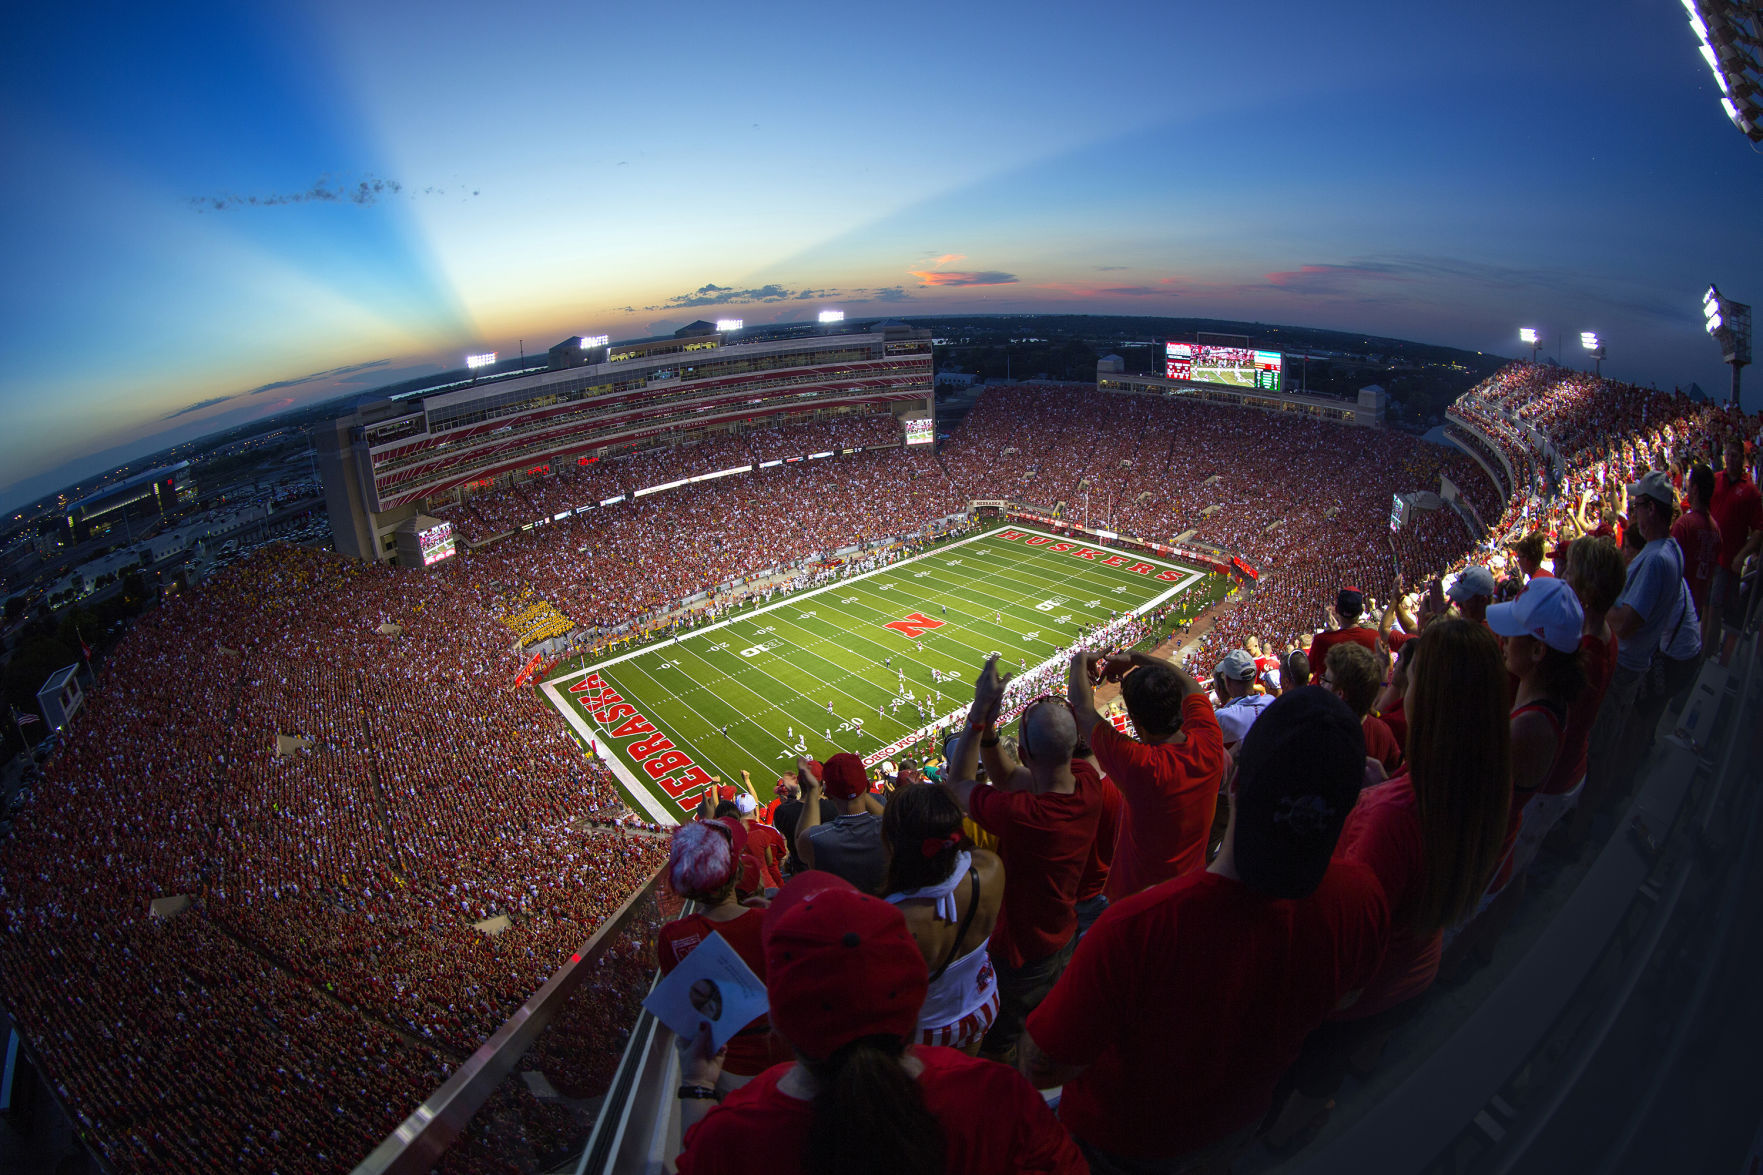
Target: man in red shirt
x,y
1169,778
1355,676
1737,509
765,844
1044,812
1186,1003
1698,537
1349,606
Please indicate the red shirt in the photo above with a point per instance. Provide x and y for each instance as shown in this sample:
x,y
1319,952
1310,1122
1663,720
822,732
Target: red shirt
x,y
1171,791
1699,539
1381,744
994,1123
1569,768
766,846
1189,1001
1737,510
1396,718
1322,642
1383,832
1044,839
1095,875
754,1049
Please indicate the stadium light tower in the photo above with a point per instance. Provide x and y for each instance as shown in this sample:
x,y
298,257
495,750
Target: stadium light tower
x,y
1730,33
1528,335
1729,323
1589,340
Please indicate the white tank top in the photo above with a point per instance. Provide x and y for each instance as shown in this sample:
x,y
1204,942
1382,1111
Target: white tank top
x,y
968,983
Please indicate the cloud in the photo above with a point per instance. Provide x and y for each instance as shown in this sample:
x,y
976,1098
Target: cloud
x,y
332,373
324,191
711,294
1109,268
198,406
1135,291
952,277
892,294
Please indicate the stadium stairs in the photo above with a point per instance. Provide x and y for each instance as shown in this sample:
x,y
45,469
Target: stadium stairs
x,y
1569,1051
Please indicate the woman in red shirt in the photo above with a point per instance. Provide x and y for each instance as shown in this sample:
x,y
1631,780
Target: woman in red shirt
x,y
702,866
847,981
1434,836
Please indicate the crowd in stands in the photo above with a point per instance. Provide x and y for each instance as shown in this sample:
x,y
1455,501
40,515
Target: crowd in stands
x,y
326,758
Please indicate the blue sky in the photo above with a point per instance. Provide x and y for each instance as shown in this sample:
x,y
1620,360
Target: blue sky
x,y
187,224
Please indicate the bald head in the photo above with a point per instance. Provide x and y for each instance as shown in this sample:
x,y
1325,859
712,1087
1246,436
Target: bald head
x,y
1049,733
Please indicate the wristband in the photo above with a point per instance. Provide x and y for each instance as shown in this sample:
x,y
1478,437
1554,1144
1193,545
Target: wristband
x,y
988,742
697,1093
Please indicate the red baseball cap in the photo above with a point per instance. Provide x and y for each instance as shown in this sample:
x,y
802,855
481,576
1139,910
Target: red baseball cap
x,y
844,776
840,965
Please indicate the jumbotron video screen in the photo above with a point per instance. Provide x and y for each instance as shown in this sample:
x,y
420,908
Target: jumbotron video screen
x,y
1234,367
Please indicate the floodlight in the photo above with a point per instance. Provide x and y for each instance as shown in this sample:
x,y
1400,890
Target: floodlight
x,y
1732,112
727,324
832,316
595,341
1589,339
1712,294
1713,323
1527,334
484,360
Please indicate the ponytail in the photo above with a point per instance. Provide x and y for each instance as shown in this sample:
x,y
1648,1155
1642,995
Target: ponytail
x,y
869,1114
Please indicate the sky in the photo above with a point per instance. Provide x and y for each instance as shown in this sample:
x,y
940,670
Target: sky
x,y
213,212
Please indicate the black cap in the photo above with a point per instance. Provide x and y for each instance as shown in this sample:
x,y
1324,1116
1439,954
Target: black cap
x,y
1298,775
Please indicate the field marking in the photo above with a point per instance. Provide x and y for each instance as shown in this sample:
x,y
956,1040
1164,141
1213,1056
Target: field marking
x,y
641,793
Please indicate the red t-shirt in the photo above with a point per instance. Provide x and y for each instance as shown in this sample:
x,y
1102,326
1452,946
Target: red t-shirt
x,y
1189,1001
755,1048
1699,539
1383,832
1737,510
1381,744
766,846
1322,642
1095,875
1044,839
1600,665
1396,718
1171,791
994,1123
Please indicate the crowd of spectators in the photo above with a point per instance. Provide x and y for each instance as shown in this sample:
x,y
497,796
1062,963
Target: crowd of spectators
x,y
385,849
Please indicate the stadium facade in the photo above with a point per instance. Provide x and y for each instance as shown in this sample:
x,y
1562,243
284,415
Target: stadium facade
x,y
396,456
1367,411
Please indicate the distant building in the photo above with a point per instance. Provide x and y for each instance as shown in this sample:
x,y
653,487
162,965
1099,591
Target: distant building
x,y
411,453
116,510
955,379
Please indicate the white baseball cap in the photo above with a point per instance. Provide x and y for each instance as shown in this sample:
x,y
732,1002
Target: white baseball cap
x,y
746,803
1474,581
1547,610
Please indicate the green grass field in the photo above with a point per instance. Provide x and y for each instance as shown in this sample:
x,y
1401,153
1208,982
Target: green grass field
x,y
824,670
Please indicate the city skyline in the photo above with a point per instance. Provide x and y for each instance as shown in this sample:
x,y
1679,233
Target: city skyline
x,y
216,216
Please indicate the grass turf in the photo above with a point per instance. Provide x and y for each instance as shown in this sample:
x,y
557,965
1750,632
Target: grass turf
x,y
795,676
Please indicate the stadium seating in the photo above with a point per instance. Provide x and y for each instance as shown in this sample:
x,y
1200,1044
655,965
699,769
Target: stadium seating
x,y
328,971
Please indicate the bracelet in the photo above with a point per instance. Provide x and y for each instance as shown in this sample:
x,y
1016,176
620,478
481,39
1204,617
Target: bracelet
x,y
988,742
698,1093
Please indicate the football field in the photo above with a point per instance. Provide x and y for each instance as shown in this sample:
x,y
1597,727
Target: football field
x,y
866,664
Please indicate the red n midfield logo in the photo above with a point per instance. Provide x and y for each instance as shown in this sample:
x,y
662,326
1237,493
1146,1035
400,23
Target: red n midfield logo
x,y
914,625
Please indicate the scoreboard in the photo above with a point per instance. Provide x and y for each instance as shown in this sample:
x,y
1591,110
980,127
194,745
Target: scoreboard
x,y
437,543
1233,367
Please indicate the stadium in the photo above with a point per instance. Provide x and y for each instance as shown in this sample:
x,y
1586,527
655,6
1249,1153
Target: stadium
x,y
358,860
